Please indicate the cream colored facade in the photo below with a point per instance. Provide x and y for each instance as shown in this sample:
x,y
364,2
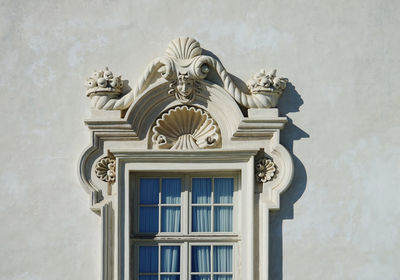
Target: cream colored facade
x,y
339,217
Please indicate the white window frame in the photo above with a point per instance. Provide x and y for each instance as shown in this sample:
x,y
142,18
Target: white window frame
x,y
186,238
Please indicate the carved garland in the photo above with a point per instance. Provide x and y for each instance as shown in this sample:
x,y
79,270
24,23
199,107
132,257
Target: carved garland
x,y
183,67
185,128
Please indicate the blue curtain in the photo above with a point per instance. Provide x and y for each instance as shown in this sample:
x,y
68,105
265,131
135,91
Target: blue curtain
x,y
201,194
148,219
222,277
201,190
170,277
223,215
148,259
223,190
149,189
201,219
148,216
200,277
148,277
201,259
222,259
170,219
171,191
223,220
171,215
170,259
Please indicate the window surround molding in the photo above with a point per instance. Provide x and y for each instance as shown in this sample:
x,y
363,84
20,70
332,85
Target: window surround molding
x,y
185,113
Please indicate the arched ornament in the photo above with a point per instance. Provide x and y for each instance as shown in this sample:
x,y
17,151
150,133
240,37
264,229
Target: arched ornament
x,y
176,117
183,66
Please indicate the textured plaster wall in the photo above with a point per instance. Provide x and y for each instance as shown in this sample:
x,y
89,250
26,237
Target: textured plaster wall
x,y
339,220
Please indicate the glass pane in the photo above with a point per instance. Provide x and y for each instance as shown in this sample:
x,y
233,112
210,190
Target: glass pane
x,y
223,219
170,277
201,190
149,189
223,190
222,277
148,219
222,259
201,277
148,259
148,277
170,259
170,219
201,219
200,258
171,191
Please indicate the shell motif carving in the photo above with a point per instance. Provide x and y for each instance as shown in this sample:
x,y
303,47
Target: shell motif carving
x,y
265,170
105,169
185,128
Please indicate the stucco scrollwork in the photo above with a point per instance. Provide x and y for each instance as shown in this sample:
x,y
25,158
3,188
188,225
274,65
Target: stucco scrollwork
x,y
184,65
105,169
185,128
265,170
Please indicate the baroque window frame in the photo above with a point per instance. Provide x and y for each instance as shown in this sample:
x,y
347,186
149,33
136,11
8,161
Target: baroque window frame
x,y
241,134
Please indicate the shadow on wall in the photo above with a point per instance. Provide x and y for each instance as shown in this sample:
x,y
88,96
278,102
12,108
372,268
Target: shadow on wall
x,y
289,102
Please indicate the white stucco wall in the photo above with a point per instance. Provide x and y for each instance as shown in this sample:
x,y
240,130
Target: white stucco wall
x,y
340,218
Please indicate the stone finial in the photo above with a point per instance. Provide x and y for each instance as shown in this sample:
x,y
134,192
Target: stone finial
x,y
268,84
104,83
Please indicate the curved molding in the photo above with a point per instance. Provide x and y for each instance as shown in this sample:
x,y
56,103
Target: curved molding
x,y
185,128
284,165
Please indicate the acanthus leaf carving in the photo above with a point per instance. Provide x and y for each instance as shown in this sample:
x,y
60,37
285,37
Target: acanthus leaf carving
x,y
185,128
183,67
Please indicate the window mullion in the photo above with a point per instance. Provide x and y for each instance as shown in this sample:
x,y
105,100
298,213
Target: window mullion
x,y
159,204
212,205
159,262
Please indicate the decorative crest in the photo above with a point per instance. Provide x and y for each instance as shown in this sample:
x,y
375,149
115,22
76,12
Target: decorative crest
x,y
184,48
183,66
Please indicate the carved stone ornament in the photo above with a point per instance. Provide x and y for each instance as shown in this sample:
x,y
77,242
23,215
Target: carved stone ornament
x,y
103,86
184,117
185,128
183,67
265,170
267,84
105,169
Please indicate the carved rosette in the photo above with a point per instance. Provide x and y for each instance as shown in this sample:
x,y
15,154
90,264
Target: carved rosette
x,y
185,128
265,170
105,169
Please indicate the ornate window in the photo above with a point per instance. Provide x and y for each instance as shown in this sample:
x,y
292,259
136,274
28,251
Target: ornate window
x,y
184,225
184,169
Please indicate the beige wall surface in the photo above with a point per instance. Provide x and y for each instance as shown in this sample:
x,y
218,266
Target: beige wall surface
x,y
340,218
